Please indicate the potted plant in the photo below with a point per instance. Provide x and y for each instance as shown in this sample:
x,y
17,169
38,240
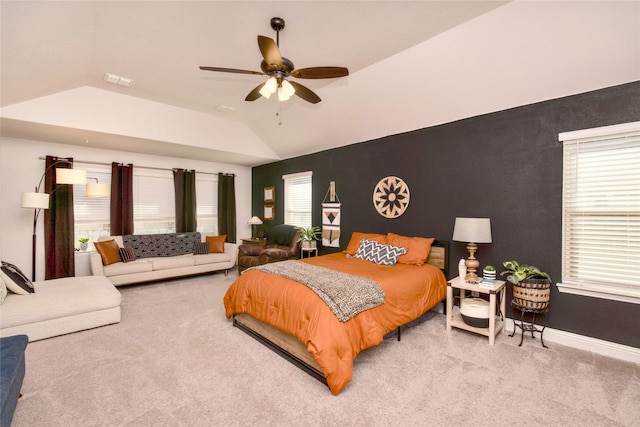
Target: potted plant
x,y
84,243
489,272
308,236
531,287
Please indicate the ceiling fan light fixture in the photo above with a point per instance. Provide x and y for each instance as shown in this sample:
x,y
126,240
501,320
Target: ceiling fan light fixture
x,y
282,94
269,87
288,88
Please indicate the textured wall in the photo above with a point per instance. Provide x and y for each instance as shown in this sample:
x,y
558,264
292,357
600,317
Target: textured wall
x,y
505,165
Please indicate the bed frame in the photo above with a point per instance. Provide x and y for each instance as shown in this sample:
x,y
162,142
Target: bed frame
x,y
292,349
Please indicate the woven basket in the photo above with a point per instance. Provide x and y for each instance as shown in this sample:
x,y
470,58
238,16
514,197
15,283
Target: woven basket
x,y
532,293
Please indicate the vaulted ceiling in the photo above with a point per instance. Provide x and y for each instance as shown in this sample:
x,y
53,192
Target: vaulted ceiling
x,y
412,64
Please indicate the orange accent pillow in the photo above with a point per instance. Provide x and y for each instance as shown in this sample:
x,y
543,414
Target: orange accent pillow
x,y
419,248
109,251
216,244
356,236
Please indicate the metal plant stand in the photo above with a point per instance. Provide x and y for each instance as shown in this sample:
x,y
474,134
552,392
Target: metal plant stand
x,y
529,326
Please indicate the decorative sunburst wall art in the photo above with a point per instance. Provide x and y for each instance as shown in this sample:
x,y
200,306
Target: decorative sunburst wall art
x,y
391,197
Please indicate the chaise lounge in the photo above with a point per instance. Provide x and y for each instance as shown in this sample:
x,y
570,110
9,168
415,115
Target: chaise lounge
x,y
60,306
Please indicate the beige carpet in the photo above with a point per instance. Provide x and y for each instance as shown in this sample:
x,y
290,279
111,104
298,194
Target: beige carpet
x,y
175,360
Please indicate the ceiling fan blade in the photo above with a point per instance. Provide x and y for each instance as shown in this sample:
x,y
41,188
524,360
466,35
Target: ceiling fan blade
x,y
270,51
255,93
320,73
231,70
305,93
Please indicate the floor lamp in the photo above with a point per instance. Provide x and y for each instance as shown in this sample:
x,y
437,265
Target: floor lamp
x,y
38,201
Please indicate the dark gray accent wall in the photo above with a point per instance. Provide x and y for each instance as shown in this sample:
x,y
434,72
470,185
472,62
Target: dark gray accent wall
x,y
505,165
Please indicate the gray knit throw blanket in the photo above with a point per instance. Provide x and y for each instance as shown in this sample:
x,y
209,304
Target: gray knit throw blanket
x,y
345,294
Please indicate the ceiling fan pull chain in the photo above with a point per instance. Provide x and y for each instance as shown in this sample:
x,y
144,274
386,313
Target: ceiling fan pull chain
x,y
279,115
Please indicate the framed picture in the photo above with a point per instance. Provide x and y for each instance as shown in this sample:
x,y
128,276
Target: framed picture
x,y
269,194
269,212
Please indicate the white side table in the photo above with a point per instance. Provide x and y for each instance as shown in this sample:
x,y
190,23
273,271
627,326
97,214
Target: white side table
x,y
308,252
83,263
495,325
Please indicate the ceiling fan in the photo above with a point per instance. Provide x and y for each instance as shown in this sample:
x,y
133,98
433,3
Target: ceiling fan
x,y
279,68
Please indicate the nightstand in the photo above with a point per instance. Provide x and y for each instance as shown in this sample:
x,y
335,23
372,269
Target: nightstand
x,y
496,294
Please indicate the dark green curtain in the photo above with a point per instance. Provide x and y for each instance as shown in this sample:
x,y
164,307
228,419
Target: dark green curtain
x,y
227,206
184,184
58,223
121,208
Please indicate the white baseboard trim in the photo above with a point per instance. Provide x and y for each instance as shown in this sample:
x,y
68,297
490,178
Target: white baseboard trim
x,y
605,348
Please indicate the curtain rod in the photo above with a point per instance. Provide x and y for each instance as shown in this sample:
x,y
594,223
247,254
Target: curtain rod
x,y
90,162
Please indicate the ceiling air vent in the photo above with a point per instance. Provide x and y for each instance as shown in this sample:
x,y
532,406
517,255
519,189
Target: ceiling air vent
x,y
122,81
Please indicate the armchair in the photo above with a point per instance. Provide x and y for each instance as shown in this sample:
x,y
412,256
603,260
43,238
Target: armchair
x,y
282,244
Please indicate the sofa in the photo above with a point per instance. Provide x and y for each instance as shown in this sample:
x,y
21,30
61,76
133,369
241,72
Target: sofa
x,y
143,258
60,306
12,370
283,243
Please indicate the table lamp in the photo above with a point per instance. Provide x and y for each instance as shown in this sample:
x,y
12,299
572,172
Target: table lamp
x,y
254,221
472,231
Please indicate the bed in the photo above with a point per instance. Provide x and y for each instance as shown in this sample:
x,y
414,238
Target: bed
x,y
293,320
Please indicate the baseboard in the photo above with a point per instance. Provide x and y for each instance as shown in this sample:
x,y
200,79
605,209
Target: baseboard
x,y
438,308
605,348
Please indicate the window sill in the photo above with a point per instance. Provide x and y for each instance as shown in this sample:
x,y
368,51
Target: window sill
x,y
615,294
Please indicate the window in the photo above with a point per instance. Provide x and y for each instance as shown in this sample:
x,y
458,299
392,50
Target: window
x,y
91,214
297,199
207,202
153,202
601,212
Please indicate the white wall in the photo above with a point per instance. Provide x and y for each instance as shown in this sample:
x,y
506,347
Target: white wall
x,y
21,169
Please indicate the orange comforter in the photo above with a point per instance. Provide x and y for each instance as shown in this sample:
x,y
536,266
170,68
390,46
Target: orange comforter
x,y
295,309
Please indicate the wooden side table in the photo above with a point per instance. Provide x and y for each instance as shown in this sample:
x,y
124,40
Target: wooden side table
x,y
495,325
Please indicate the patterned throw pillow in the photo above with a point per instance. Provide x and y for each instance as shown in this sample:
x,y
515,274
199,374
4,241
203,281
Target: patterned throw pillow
x,y
379,253
127,254
201,248
15,279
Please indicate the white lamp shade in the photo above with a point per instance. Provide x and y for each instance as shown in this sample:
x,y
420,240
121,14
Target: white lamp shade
x,y
34,200
283,95
288,88
255,221
269,87
472,230
95,189
70,176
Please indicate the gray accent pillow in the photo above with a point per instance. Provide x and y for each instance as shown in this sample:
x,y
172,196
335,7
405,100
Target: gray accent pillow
x,y
127,254
201,248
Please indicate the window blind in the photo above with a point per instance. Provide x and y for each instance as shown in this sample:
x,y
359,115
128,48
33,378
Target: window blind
x,y
601,210
207,202
153,202
91,214
297,199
